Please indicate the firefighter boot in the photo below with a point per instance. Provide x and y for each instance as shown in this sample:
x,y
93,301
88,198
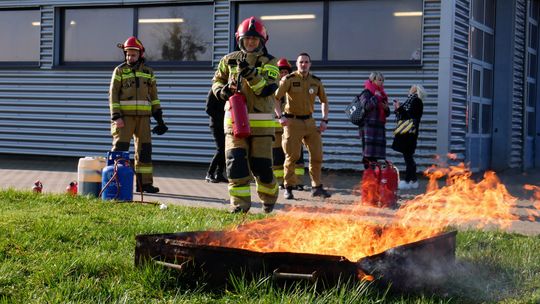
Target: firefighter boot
x,y
149,188
319,191
267,208
288,193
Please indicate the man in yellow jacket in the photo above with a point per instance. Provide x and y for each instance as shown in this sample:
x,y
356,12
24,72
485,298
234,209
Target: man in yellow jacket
x,y
253,154
133,99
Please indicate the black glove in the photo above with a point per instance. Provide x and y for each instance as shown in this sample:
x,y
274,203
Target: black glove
x,y
225,92
160,129
245,70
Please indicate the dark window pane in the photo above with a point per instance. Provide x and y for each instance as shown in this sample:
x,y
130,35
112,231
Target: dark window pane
x,y
476,43
375,30
533,36
486,119
475,117
490,13
177,33
488,47
92,34
19,35
478,10
533,9
532,65
476,83
531,94
531,124
487,91
292,27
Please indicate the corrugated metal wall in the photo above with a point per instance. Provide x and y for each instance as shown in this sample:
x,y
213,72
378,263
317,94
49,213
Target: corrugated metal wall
x,y
65,111
518,119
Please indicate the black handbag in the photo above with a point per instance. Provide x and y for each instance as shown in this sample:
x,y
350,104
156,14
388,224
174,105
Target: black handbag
x,y
356,111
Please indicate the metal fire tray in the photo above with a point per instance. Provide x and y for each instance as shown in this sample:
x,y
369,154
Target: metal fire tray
x,y
405,266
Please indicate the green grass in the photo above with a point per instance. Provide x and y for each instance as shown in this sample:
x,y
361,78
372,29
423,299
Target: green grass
x,y
61,249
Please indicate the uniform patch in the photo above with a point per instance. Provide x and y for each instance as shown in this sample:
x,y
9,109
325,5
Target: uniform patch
x,y
296,84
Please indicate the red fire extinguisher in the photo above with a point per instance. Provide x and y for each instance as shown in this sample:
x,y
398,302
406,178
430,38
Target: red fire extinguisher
x,y
72,188
239,112
389,185
38,187
370,184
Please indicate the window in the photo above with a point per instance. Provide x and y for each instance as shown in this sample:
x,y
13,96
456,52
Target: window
x,y
384,32
22,44
293,28
170,34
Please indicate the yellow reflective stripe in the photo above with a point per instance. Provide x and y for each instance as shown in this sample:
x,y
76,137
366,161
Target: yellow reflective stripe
x,y
115,105
143,75
277,124
221,66
244,191
136,107
299,171
264,189
134,102
271,70
143,169
128,75
257,88
116,77
261,123
279,173
155,102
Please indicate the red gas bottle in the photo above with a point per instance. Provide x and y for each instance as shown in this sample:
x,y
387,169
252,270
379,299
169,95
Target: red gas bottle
x,y
72,188
389,185
38,187
370,184
239,115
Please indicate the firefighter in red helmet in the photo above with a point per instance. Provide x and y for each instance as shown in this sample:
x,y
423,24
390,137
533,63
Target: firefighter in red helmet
x,y
258,82
133,99
278,154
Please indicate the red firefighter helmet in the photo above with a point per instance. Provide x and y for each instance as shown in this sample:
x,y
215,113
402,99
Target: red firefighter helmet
x,y
283,63
132,43
251,27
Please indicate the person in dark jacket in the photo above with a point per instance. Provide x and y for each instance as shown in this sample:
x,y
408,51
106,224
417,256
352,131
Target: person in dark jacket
x,y
406,143
373,130
215,108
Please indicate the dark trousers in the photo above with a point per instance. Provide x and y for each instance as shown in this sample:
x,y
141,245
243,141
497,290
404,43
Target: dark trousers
x,y
217,166
410,170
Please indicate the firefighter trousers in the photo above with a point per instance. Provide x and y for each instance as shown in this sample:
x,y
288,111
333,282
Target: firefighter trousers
x,y
279,159
298,131
244,157
138,128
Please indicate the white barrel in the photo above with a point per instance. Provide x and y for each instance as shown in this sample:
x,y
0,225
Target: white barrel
x,y
89,175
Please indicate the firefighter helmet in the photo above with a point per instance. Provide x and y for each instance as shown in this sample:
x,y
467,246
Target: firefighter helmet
x,y
283,64
251,27
132,43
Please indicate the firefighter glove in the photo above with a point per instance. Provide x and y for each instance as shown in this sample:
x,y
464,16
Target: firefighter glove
x,y
158,116
160,129
245,70
225,92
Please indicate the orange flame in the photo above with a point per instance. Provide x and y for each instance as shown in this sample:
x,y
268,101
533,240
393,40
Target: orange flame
x,y
357,233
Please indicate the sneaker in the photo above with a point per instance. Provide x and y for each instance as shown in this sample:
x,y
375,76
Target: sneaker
x,y
210,179
237,209
300,187
221,179
267,208
319,191
149,188
288,193
403,185
413,185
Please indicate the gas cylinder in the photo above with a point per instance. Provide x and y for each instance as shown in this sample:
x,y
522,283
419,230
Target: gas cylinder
x,y
72,188
389,184
117,177
370,184
89,175
239,115
38,187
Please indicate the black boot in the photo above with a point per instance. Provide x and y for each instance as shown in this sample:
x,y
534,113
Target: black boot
x,y
210,178
288,193
319,191
220,178
267,208
149,188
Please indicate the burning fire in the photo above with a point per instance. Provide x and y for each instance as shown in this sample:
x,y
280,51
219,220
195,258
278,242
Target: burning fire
x,y
355,234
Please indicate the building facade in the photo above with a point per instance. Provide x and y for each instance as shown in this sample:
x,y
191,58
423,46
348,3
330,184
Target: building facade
x,y
477,59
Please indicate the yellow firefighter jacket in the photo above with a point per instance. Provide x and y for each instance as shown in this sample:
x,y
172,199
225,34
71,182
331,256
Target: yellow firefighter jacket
x,y
259,91
133,91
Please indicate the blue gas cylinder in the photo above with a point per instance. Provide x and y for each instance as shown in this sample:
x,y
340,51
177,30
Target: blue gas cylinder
x,y
117,177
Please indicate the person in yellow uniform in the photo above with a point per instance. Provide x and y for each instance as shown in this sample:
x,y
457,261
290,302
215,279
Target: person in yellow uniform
x,y
301,88
259,80
278,154
133,99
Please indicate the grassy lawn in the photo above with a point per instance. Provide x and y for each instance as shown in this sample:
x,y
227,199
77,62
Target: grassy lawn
x,y
59,249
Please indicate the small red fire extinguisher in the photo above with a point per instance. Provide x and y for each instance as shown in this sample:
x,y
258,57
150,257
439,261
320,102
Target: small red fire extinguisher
x,y
38,187
239,112
389,185
72,188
